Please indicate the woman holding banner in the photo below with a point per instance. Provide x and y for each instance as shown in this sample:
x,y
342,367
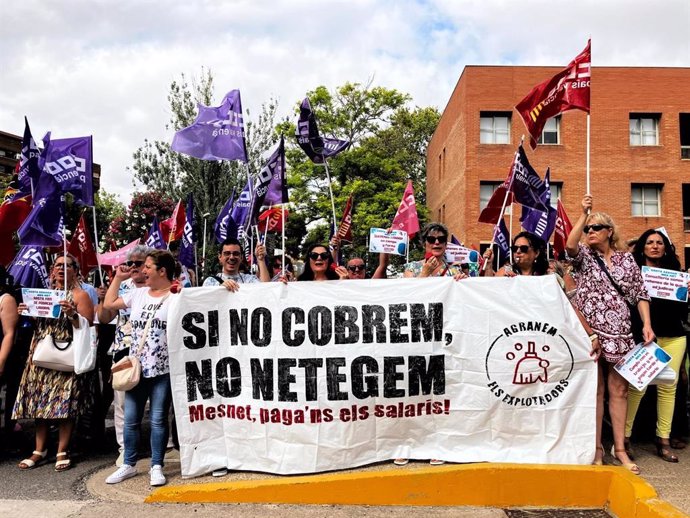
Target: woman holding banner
x,y
435,238
149,343
667,316
46,394
320,266
608,283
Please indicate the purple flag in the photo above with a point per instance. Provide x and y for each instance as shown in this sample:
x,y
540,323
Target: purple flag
x,y
316,147
270,187
155,238
217,132
454,240
526,185
277,191
541,223
241,212
186,256
43,225
28,162
29,268
225,226
70,162
502,237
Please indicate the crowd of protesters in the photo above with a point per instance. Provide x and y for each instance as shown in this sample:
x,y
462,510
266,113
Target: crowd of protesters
x,y
600,277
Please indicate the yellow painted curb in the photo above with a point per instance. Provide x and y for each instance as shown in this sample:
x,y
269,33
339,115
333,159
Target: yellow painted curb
x,y
492,485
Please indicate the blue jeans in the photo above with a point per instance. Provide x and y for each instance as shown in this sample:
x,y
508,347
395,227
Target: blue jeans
x,y
158,390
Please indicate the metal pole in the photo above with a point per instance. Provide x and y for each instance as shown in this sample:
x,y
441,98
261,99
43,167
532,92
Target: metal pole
x,y
95,233
203,249
330,191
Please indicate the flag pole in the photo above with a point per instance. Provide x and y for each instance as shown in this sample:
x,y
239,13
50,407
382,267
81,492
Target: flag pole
x,y
64,244
282,245
95,233
266,231
203,247
587,168
330,191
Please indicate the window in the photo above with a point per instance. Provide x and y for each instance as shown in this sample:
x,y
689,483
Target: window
x,y
556,191
552,132
494,127
646,200
644,129
486,189
684,120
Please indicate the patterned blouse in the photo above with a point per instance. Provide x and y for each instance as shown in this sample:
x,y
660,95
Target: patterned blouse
x,y
603,307
448,270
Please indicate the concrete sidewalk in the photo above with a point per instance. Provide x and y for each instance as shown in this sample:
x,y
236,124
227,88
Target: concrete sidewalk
x,y
671,482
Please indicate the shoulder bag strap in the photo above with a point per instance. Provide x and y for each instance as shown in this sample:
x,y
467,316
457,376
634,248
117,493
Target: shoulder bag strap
x,y
604,269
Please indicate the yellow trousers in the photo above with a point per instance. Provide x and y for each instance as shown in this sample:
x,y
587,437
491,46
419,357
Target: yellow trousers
x,y
666,394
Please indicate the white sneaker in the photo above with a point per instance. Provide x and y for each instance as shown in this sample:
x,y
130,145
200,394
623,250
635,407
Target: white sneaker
x,y
219,472
157,477
120,458
123,473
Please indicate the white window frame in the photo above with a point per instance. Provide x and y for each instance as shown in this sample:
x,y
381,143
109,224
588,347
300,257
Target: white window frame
x,y
553,125
556,192
645,200
485,196
644,130
490,132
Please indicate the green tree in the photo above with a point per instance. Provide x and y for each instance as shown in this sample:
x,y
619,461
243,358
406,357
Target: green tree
x,y
136,222
389,147
160,169
108,208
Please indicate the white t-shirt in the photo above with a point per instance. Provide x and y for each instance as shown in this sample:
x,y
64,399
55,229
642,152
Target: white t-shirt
x,y
154,353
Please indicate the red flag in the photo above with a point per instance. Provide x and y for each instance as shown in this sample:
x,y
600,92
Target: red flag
x,y
492,212
272,217
345,228
82,248
406,217
563,228
567,90
173,227
15,206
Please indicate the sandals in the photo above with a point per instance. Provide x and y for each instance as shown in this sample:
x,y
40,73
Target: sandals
x,y
630,466
628,448
662,451
599,462
65,463
31,463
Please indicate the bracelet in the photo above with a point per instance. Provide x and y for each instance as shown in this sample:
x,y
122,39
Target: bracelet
x,y
75,316
593,337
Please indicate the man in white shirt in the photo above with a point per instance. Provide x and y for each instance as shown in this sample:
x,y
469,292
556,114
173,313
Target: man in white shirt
x,y
230,258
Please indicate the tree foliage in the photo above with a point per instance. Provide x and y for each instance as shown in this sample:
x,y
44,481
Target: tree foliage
x,y
389,141
136,222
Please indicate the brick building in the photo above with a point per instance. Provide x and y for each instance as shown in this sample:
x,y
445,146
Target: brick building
x,y
640,149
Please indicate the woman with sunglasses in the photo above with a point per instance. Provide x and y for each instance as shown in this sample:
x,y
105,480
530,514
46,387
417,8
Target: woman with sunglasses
x,y
149,343
49,395
320,266
529,257
654,249
435,238
608,280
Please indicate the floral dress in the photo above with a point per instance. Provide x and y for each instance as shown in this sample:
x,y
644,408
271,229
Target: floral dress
x,y
604,309
49,394
448,270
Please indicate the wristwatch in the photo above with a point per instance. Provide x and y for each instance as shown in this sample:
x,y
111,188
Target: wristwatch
x,y
75,316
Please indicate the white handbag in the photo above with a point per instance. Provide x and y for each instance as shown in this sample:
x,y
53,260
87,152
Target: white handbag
x,y
54,355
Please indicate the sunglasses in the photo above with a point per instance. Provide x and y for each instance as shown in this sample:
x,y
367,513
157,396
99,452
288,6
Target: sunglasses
x,y
62,265
433,239
323,256
234,253
523,249
597,227
356,268
135,264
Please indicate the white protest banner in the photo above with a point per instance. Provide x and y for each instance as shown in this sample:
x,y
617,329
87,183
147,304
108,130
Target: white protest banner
x,y
42,303
318,376
393,242
642,364
460,254
666,284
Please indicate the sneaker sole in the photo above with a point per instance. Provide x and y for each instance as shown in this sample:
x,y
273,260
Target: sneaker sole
x,y
122,479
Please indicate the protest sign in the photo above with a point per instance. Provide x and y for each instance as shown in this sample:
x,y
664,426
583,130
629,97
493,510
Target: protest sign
x,y
642,364
319,376
665,284
460,254
393,242
42,303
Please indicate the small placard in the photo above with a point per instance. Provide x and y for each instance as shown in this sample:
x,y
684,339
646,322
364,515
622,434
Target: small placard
x,y
665,284
393,242
42,303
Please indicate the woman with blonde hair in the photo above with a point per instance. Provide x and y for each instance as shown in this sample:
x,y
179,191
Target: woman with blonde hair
x,y
609,282
46,394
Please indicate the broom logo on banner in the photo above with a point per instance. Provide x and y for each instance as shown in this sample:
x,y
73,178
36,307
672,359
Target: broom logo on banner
x,y
529,364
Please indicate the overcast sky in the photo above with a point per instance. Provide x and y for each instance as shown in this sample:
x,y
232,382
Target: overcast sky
x,y
103,67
